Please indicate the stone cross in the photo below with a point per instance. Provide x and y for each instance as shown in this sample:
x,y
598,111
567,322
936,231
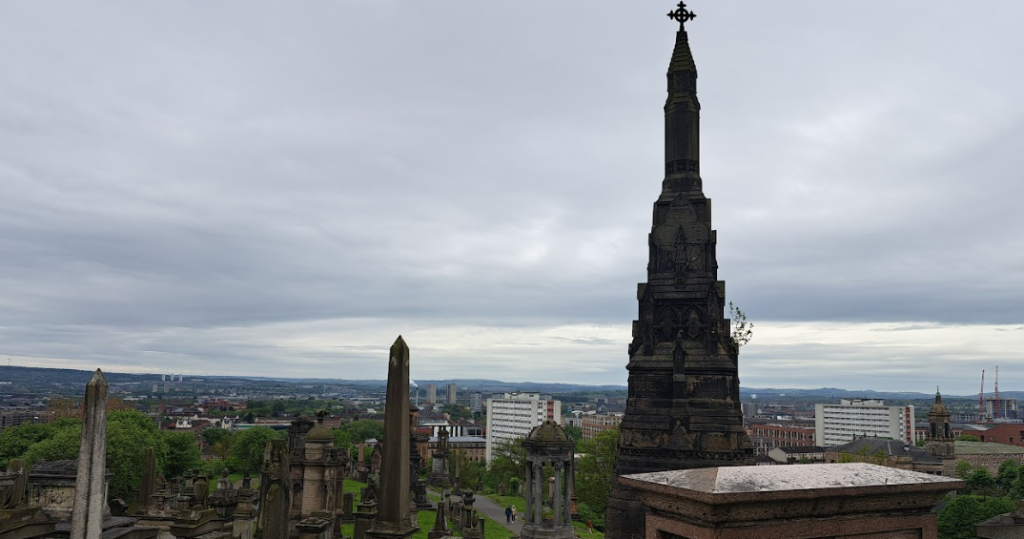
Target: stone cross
x,y
90,483
682,14
393,510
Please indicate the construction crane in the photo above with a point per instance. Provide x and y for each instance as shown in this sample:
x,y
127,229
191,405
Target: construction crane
x,y
981,396
995,405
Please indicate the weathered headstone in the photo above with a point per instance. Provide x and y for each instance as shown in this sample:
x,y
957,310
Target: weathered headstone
x,y
395,496
201,490
367,510
19,485
148,486
440,524
348,500
274,492
90,483
242,525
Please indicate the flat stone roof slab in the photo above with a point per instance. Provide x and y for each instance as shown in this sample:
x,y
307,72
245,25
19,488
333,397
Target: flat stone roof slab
x,y
737,483
737,479
752,497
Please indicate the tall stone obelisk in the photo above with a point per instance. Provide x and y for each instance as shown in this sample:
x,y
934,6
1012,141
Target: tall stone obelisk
x,y
393,510
683,409
90,483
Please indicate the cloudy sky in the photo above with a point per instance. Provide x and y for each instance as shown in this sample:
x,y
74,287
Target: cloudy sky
x,y
282,188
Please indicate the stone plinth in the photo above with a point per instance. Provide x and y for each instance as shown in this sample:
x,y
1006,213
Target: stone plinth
x,y
794,502
51,486
315,528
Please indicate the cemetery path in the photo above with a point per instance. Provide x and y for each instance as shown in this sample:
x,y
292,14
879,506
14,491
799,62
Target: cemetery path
x,y
493,511
497,514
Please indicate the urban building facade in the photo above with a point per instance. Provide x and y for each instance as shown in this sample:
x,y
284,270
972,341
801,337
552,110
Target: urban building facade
x,y
837,424
515,414
768,436
593,424
476,402
473,447
432,393
453,395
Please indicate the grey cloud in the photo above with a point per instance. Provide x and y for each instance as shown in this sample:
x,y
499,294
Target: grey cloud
x,y
172,170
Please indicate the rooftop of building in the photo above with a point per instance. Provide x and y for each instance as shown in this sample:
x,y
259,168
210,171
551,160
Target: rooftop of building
x,y
798,450
891,448
986,448
461,439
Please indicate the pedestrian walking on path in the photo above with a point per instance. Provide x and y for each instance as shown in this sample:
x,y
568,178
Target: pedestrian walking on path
x,y
508,514
513,513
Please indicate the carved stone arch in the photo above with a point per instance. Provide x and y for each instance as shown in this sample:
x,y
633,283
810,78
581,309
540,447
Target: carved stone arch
x,y
681,211
297,496
715,311
695,324
666,323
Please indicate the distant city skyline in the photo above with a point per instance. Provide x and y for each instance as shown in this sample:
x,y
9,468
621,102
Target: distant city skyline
x,y
282,190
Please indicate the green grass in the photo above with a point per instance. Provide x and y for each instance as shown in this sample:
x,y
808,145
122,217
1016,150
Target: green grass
x,y
492,528
520,503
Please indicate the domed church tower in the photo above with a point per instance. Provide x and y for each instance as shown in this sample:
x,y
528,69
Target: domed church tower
x,y
940,442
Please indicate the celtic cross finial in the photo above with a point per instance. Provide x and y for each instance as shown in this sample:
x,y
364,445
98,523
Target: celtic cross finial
x,y
682,14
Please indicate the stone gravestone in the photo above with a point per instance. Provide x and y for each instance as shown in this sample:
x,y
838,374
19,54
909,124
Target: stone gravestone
x,y
90,484
201,490
242,525
440,524
392,520
361,471
367,510
16,494
348,507
147,488
274,492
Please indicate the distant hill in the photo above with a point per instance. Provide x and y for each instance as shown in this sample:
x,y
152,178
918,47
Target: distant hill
x,y
42,380
837,393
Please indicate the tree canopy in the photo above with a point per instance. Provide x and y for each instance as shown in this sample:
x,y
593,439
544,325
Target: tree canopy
x,y
247,448
594,472
958,519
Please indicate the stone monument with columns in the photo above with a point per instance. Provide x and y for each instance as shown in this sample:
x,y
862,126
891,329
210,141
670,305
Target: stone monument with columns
x,y
548,445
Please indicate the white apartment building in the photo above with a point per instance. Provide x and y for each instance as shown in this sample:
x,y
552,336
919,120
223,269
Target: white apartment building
x,y
515,414
837,424
476,402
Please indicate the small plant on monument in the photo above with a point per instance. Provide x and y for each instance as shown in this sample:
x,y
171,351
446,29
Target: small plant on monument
x,y
742,330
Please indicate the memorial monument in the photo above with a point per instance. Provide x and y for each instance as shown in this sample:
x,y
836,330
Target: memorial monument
x,y
683,409
392,520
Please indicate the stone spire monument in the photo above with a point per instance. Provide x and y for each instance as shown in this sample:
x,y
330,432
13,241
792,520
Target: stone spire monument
x,y
683,409
392,520
90,485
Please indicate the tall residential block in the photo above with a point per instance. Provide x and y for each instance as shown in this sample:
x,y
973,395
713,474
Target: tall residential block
x,y
453,395
515,414
432,393
837,424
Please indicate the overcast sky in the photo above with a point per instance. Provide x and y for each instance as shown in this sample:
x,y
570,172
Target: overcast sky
x,y
282,188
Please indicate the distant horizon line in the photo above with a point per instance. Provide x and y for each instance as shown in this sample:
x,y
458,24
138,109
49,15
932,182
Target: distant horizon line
x,y
773,391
